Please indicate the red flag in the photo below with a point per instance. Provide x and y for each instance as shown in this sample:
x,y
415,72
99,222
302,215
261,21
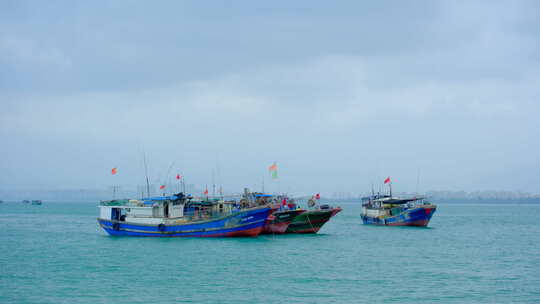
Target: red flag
x,y
114,171
317,196
178,176
387,180
162,187
206,191
284,202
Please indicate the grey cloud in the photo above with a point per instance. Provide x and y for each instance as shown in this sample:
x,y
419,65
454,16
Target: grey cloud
x,y
339,96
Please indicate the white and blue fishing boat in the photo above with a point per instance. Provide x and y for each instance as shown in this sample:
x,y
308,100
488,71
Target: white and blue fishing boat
x,y
180,216
387,210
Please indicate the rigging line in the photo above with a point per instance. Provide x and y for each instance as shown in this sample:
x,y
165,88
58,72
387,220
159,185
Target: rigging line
x,y
310,222
168,171
146,175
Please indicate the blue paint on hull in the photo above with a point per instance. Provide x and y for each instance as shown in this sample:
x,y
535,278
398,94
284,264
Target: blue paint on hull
x,y
249,223
419,216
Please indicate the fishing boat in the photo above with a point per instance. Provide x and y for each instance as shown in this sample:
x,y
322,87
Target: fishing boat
x,y
287,216
387,210
37,202
26,202
284,211
311,221
280,220
181,216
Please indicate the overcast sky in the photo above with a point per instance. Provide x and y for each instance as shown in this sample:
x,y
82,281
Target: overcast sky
x,y
339,94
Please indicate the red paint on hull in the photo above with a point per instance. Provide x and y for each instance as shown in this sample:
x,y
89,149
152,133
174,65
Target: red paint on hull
x,y
244,233
278,228
273,224
336,211
249,233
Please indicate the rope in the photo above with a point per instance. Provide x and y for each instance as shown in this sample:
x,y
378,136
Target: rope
x,y
310,222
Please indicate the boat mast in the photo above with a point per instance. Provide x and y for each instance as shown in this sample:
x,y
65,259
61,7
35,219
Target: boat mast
x,y
213,184
184,184
146,175
417,181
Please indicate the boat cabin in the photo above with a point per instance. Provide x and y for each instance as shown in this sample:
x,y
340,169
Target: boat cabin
x,y
157,209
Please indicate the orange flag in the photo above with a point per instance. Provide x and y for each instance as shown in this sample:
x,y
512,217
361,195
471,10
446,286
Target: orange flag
x,y
114,171
206,191
273,170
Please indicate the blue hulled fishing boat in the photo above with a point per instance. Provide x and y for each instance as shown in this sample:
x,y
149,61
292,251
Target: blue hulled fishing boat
x,y
392,211
180,216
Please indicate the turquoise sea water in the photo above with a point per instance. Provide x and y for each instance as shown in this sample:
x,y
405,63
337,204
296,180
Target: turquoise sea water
x,y
472,253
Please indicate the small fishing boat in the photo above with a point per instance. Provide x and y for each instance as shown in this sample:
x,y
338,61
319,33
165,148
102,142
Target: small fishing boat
x,y
280,220
387,210
37,202
284,210
26,202
311,221
180,216
287,216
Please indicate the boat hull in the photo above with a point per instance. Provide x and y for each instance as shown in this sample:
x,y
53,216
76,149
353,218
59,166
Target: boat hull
x,y
311,221
248,223
280,221
419,216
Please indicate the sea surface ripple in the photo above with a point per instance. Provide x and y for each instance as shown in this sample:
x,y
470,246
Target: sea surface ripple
x,y
471,253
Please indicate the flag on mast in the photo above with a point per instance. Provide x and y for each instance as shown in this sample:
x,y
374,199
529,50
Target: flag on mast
x,y
387,180
273,170
114,171
178,176
318,196
206,191
162,187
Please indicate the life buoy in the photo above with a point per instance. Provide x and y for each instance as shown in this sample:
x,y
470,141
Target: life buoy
x,y
116,226
161,227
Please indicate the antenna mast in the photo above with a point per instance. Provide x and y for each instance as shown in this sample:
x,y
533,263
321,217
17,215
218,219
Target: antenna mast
x,y
213,183
146,175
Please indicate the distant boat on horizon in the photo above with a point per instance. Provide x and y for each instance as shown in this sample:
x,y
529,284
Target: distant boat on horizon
x,y
37,202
